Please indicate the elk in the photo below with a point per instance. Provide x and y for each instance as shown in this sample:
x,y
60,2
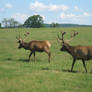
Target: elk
x,y
35,46
77,52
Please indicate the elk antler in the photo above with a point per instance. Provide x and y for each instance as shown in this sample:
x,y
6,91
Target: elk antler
x,y
18,37
62,37
72,36
26,34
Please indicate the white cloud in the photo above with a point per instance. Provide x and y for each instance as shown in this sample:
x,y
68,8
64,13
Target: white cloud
x,y
69,16
58,7
87,14
72,16
62,16
76,8
8,5
63,7
43,17
20,17
75,18
38,6
52,7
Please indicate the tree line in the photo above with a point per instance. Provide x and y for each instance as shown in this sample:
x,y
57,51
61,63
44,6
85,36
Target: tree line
x,y
35,21
9,23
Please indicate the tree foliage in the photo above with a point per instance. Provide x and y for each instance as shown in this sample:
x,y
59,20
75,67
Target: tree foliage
x,y
35,21
0,25
5,22
54,24
10,22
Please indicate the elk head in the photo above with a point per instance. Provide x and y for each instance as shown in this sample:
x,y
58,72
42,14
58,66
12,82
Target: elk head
x,y
20,41
65,44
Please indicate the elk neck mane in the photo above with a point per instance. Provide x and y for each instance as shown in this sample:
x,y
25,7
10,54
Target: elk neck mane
x,y
26,45
70,49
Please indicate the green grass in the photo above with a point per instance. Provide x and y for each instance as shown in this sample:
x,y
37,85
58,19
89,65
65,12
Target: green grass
x,y
17,75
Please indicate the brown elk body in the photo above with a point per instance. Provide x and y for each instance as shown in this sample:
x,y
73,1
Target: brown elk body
x,y
36,46
78,53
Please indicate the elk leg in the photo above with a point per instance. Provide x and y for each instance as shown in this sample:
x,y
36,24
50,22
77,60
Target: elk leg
x,y
84,65
49,54
30,55
34,56
73,64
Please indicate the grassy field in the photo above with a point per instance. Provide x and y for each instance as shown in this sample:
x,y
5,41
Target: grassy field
x,y
18,75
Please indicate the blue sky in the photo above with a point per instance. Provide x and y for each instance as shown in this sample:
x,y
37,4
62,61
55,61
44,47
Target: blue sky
x,y
61,11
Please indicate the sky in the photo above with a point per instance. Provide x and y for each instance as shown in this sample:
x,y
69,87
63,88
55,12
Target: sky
x,y
59,11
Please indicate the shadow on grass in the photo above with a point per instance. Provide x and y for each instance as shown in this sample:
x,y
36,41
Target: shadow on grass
x,y
91,72
23,60
11,59
64,70
67,70
55,70
77,71
45,68
27,60
8,59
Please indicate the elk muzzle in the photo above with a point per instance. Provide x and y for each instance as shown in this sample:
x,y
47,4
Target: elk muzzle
x,y
62,49
20,46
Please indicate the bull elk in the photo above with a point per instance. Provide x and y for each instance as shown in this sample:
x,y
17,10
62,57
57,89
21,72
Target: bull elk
x,y
35,46
77,52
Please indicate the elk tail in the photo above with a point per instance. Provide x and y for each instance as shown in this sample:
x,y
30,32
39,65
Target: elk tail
x,y
49,44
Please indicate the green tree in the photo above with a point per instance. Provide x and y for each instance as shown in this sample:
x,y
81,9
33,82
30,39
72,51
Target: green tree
x,y
13,23
54,24
10,22
0,25
35,21
5,22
